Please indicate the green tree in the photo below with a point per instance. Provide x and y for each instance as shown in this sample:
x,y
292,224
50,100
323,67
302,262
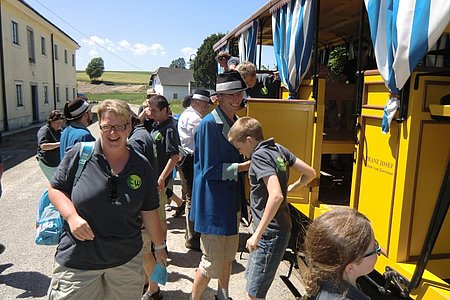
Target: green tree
x,y
205,66
95,68
178,63
338,58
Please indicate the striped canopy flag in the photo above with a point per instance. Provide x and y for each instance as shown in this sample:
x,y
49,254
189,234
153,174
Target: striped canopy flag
x,y
293,35
247,43
402,33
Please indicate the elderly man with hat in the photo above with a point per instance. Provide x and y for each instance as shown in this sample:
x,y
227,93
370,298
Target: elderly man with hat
x,y
217,192
79,116
199,106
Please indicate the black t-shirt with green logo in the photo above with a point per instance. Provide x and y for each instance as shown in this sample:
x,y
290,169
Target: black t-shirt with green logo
x,y
111,204
268,159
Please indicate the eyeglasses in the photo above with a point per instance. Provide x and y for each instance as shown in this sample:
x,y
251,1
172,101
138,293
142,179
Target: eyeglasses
x,y
113,194
222,58
108,128
376,250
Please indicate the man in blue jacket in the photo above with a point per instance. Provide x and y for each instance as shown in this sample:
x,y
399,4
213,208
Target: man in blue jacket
x,y
217,192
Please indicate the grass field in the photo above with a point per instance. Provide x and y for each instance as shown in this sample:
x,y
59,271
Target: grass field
x,y
126,77
134,98
119,77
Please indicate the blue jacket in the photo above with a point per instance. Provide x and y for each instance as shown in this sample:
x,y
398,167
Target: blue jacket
x,y
216,189
71,135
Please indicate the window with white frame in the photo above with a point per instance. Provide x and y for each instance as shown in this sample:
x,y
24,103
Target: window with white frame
x,y
66,59
30,40
57,94
73,93
67,93
175,96
19,94
46,100
73,59
43,46
15,32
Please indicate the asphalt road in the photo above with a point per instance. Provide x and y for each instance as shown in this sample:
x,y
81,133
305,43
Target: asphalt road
x,y
25,268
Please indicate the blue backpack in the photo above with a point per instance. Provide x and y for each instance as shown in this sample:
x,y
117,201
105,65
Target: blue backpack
x,y
49,223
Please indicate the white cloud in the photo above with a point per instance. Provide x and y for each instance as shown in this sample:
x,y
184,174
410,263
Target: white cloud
x,y
140,49
93,53
95,44
124,43
94,41
188,51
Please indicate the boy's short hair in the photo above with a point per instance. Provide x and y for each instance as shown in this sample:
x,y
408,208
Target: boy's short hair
x,y
246,69
223,53
244,127
160,101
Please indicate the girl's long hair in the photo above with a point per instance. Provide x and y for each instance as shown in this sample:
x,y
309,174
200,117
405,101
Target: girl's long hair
x,y
332,241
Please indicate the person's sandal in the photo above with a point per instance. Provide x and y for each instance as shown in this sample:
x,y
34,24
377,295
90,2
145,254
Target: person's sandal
x,y
180,210
152,296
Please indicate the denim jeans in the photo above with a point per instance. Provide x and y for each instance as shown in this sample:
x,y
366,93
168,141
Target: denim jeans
x,y
264,261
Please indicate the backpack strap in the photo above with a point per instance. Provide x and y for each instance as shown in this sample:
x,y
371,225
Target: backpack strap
x,y
86,150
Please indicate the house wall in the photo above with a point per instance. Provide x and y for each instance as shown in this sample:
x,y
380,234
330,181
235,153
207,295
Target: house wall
x,y
156,83
169,91
20,70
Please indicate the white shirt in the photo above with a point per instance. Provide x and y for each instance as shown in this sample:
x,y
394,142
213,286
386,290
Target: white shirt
x,y
187,123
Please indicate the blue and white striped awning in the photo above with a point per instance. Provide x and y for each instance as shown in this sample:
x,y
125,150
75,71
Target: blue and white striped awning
x,y
293,35
247,42
402,33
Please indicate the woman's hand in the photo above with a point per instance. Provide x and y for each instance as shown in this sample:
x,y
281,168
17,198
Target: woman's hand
x,y
80,228
161,256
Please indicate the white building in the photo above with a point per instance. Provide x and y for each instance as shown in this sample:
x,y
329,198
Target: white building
x,y
172,83
37,66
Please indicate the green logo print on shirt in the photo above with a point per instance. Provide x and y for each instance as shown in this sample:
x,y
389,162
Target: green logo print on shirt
x,y
134,182
281,164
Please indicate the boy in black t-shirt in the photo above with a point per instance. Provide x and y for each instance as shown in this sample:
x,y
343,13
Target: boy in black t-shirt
x,y
268,175
166,141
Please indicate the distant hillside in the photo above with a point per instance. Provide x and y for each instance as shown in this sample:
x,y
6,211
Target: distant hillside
x,y
119,77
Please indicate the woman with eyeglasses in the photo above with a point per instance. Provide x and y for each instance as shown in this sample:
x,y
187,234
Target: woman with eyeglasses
x,y
339,247
99,255
48,138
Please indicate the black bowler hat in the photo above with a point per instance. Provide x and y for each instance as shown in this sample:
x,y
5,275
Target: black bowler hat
x,y
76,108
201,95
230,83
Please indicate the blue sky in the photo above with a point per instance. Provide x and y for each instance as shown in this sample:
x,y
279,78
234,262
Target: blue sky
x,y
143,34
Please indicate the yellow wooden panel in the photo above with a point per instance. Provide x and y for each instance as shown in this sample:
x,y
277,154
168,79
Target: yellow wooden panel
x,y
377,177
305,90
291,124
429,292
372,78
378,94
242,112
434,150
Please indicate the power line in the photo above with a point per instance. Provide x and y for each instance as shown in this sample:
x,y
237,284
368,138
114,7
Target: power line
x,y
73,27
